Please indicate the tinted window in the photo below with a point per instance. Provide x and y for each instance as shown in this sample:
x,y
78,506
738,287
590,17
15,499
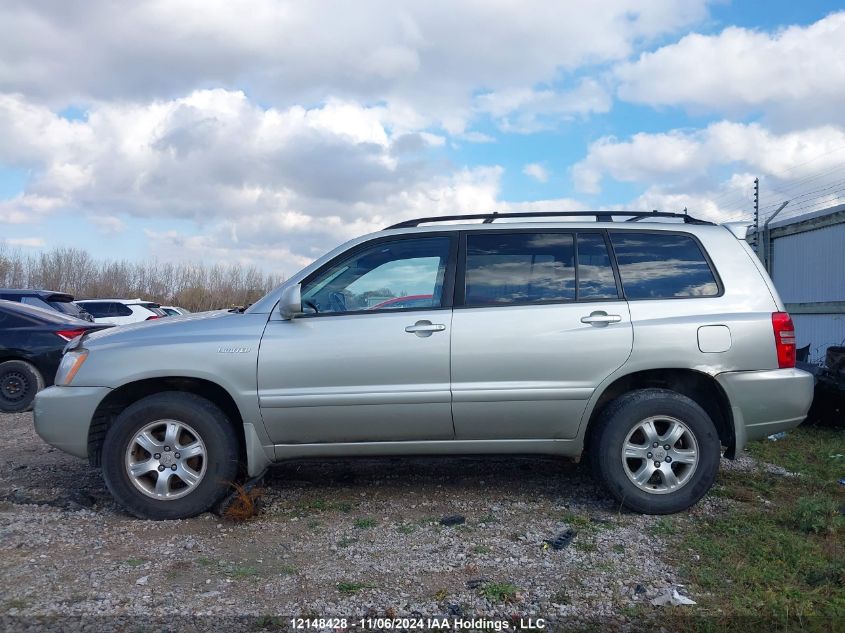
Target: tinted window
x,y
595,272
9,320
662,265
105,309
37,302
381,276
67,307
519,268
96,310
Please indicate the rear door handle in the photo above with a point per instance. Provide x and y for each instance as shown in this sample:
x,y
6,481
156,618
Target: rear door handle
x,y
601,318
425,328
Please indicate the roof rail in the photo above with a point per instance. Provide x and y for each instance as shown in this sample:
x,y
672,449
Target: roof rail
x,y
600,216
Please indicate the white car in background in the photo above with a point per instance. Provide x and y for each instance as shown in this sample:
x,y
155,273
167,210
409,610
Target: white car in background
x,y
122,311
174,310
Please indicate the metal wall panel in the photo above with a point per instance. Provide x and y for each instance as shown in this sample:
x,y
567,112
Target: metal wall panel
x,y
810,266
820,331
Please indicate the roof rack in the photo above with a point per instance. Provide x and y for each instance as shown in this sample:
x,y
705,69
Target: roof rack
x,y
600,216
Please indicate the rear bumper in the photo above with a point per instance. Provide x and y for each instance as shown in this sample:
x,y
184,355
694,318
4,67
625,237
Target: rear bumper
x,y
766,402
63,416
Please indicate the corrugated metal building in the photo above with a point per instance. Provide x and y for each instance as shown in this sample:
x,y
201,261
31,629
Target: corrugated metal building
x,y
807,264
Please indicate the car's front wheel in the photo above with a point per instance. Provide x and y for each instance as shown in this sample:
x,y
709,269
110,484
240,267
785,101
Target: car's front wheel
x,y
171,455
656,450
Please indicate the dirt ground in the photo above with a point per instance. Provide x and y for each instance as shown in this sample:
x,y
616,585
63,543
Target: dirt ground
x,y
352,538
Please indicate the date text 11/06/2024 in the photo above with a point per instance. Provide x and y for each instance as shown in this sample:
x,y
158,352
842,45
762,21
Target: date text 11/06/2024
x,y
419,624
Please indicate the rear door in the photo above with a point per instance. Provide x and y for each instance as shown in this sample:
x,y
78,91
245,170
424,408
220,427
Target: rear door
x,y
538,324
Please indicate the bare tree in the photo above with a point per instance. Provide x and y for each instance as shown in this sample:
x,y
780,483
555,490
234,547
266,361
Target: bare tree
x,y
194,286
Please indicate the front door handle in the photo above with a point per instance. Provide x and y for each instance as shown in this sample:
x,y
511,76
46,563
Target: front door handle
x,y
600,318
425,328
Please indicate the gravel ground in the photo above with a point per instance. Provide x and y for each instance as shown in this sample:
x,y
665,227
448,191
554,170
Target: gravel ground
x,y
335,538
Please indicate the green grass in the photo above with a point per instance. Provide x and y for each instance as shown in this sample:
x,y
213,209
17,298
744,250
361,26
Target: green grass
x,y
16,603
480,549
349,587
406,528
499,592
365,523
776,558
134,562
583,545
664,526
243,571
346,541
323,505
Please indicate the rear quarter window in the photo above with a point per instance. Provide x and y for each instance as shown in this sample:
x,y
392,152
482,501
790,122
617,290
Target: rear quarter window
x,y
662,266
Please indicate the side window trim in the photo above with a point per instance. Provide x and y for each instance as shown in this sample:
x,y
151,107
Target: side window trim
x,y
611,258
448,279
719,285
460,277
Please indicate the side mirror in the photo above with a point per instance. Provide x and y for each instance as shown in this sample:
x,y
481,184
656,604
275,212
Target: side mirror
x,y
290,303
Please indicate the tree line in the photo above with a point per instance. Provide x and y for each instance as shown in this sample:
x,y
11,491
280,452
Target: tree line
x,y
194,286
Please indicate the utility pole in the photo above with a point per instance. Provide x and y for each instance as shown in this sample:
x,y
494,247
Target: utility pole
x,y
756,214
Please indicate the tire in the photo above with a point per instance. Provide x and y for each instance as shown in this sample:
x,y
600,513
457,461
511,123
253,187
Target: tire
x,y
210,460
625,424
19,382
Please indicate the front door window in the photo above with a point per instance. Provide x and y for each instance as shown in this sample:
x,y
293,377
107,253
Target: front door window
x,y
401,274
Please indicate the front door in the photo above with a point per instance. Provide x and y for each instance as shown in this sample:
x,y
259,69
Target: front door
x,y
538,325
369,361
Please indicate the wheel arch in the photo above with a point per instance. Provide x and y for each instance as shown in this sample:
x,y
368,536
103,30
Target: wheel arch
x,y
120,398
700,387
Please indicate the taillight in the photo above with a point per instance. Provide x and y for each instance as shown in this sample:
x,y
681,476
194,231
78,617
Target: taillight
x,y
69,335
150,318
784,339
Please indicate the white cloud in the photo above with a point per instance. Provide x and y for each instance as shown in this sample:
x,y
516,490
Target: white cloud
x,y
283,182
285,240
427,57
529,110
107,224
26,242
536,171
27,208
796,71
682,156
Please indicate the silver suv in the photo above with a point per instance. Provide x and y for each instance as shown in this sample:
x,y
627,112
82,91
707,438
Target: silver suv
x,y
649,344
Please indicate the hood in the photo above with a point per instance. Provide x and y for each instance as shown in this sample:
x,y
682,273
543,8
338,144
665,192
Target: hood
x,y
165,327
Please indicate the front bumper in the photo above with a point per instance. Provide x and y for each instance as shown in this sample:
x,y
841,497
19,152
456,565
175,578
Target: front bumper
x,y
766,402
63,416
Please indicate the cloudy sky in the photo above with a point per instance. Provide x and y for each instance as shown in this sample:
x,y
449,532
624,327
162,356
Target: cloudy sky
x,y
268,131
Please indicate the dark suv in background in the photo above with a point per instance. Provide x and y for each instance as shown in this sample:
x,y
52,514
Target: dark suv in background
x,y
31,343
47,299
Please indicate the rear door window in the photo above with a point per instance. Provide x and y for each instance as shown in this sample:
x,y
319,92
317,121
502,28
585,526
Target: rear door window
x,y
37,302
662,266
595,270
519,268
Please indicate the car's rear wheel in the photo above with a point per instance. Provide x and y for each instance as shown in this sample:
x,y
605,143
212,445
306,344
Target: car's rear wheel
x,y
657,451
171,455
19,382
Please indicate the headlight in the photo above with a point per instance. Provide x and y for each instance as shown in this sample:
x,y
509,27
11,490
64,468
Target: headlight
x,y
71,362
